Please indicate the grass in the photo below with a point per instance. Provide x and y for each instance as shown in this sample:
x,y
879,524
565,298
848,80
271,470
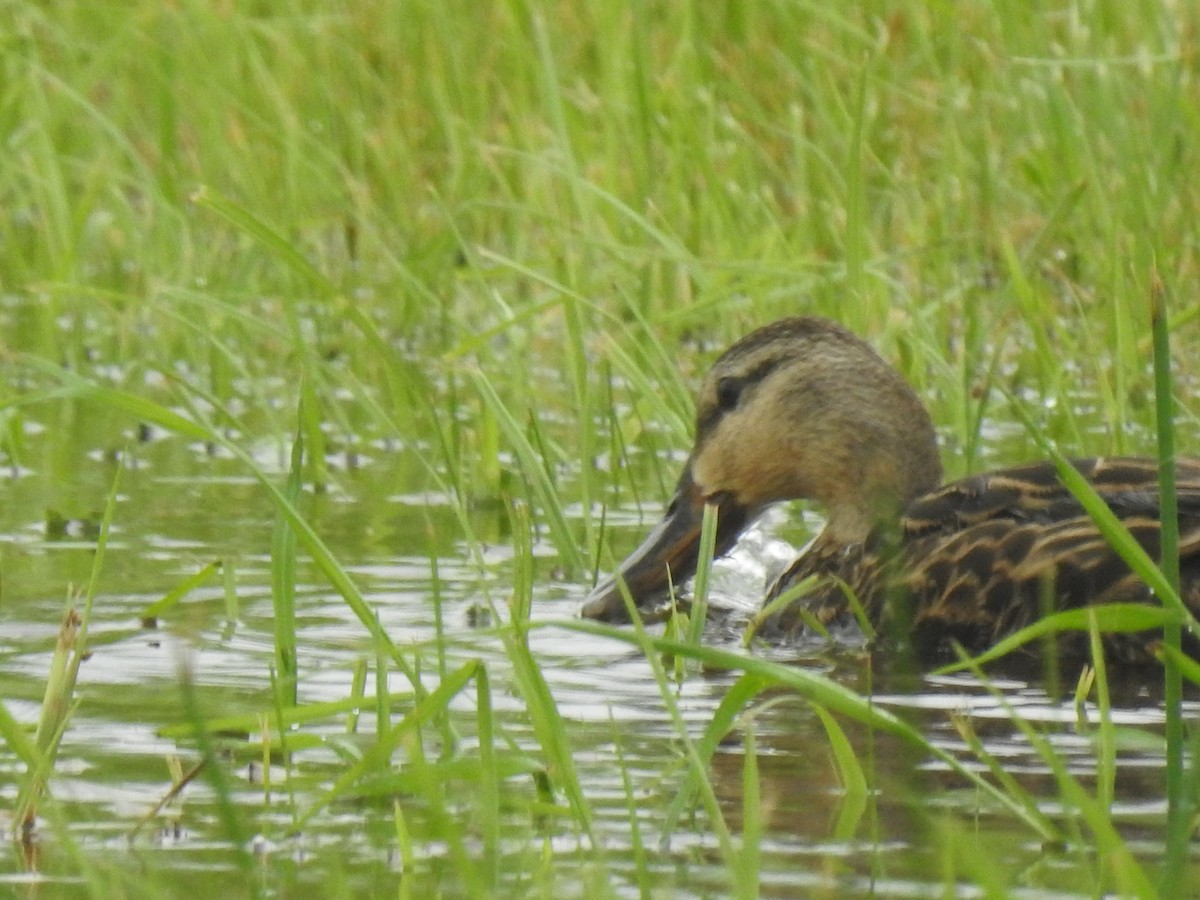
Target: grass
x,y
509,240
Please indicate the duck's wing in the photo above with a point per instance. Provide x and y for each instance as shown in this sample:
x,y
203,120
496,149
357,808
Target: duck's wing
x,y
986,556
990,580
1034,494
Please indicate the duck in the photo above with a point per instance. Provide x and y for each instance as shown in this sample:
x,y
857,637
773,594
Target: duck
x,y
804,409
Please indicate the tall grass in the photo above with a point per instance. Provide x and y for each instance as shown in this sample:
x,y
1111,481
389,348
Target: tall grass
x,y
1180,797
509,238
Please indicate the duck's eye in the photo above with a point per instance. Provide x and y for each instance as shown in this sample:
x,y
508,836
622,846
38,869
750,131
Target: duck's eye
x,y
729,392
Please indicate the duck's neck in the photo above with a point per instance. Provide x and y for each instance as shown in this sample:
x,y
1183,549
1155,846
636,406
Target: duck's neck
x,y
858,508
848,525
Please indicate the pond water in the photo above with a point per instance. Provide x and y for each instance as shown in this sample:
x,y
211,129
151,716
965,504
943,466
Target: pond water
x,y
182,506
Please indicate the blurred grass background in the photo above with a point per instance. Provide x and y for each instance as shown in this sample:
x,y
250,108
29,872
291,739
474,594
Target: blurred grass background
x,y
981,188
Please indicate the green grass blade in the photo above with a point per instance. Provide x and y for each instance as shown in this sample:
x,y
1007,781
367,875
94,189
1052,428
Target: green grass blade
x,y
696,763
1111,617
1106,762
489,777
723,720
698,614
141,409
71,649
1188,667
246,221
283,579
295,716
58,704
637,845
548,727
547,495
17,739
793,592
172,597
850,771
749,862
1179,807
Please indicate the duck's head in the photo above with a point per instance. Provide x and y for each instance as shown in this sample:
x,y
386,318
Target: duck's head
x,y
800,409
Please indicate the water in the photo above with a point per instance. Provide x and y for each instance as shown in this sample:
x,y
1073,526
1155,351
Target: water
x,y
182,506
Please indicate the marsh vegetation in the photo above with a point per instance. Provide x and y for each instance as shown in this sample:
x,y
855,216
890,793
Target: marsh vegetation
x,y
343,346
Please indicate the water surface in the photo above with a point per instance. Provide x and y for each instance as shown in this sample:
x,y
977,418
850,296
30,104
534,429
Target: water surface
x,y
181,506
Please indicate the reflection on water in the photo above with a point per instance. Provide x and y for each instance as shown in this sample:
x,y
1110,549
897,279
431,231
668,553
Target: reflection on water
x,y
380,522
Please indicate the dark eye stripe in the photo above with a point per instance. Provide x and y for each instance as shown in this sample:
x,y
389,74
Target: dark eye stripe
x,y
731,391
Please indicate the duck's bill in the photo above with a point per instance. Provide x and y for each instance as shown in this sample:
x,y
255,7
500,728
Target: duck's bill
x,y
667,557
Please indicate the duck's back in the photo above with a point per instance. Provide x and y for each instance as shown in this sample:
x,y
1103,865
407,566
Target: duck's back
x,y
1033,493
982,557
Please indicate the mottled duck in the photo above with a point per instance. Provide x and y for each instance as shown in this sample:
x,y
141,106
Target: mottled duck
x,y
804,409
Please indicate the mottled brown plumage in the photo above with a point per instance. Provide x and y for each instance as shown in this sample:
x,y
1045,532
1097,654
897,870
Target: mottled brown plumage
x,y
803,409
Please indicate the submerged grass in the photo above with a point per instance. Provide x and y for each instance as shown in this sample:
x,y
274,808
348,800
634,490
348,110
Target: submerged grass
x,y
508,240
60,701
